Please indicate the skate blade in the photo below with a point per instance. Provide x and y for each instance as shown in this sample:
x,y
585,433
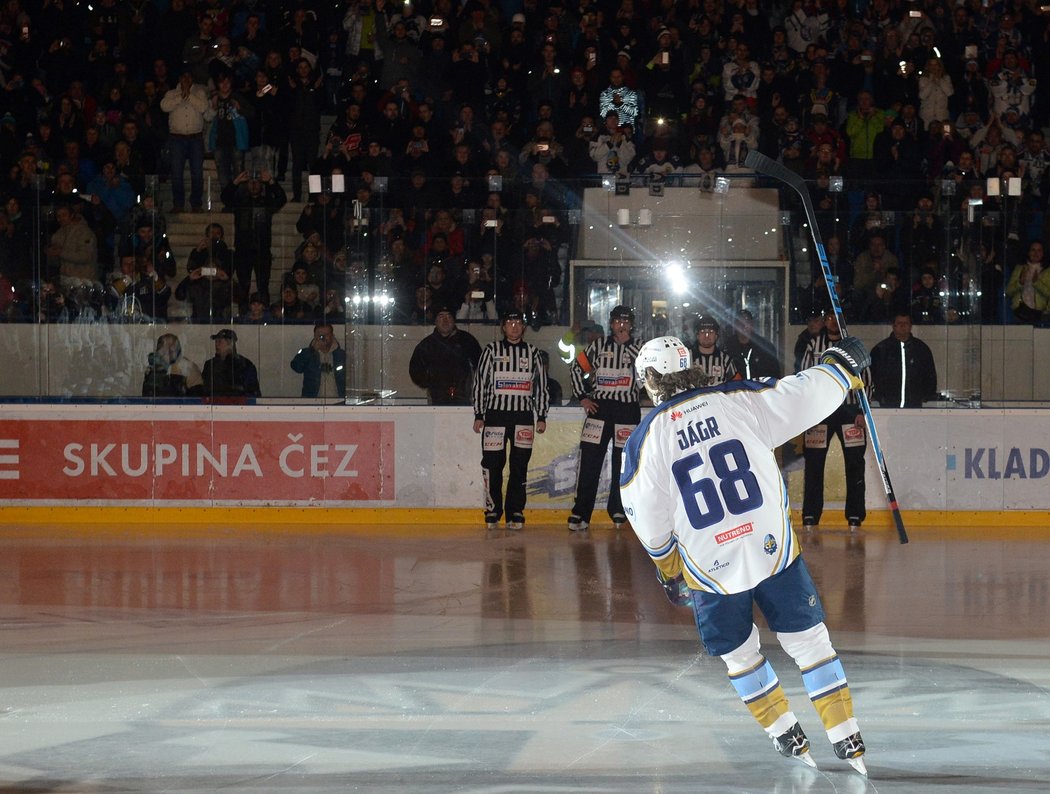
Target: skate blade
x,y
807,759
858,764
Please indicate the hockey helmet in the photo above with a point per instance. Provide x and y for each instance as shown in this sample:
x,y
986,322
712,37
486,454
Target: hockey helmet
x,y
665,354
621,313
705,322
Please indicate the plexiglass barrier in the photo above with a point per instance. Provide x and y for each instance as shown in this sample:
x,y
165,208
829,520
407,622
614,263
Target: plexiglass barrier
x,y
105,309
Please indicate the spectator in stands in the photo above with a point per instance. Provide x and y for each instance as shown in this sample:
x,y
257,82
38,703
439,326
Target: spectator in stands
x,y
207,285
872,264
898,159
322,364
613,150
170,373
228,137
863,123
886,298
621,99
228,373
199,49
186,106
1029,287
254,202
927,302
73,249
290,310
305,102
258,312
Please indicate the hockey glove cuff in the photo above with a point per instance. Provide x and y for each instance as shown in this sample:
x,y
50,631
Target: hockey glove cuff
x,y
676,590
850,354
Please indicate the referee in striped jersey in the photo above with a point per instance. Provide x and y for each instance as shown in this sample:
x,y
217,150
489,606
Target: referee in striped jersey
x,y
510,406
603,380
708,357
847,423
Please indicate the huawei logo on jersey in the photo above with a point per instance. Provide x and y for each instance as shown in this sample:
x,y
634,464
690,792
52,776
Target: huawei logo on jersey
x,y
676,415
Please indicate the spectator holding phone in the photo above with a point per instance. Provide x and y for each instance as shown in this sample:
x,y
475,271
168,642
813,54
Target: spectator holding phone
x,y
322,364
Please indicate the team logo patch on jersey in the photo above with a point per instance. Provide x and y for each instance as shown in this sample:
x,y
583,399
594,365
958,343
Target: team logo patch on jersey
x,y
505,384
734,533
769,545
717,565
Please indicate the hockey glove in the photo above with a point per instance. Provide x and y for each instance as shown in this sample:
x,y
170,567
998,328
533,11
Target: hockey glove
x,y
849,353
676,590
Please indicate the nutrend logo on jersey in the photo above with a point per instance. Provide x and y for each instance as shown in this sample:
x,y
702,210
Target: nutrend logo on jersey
x,y
734,533
194,459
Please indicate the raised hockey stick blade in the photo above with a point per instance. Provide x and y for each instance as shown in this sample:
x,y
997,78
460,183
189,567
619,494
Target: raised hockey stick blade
x,y
764,165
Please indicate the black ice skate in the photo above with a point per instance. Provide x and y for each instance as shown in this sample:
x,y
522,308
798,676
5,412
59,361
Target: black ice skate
x,y
793,743
851,749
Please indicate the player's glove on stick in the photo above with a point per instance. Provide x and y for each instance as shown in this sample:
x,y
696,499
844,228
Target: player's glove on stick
x,y
848,353
676,590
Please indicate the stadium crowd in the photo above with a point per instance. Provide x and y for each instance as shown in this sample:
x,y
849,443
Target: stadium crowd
x,y
464,132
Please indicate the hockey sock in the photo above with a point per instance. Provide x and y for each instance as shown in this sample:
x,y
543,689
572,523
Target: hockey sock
x,y
824,678
758,686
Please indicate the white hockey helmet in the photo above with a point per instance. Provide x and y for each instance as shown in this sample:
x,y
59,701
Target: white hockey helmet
x,y
665,354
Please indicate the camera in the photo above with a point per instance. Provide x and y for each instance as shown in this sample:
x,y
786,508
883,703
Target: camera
x,y
209,271
491,223
436,22
543,147
915,14
665,58
548,219
588,128
477,295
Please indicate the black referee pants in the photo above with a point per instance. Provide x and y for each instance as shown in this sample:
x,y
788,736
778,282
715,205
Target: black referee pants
x,y
592,456
519,431
853,457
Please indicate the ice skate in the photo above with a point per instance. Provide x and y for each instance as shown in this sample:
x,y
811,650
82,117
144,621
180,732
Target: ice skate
x,y
851,749
619,520
516,521
491,521
793,743
577,524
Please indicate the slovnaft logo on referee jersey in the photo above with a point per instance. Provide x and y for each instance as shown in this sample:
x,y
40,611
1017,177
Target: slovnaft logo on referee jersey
x,y
506,384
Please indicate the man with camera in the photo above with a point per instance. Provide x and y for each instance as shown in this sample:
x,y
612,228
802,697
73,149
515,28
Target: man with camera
x,y
254,201
322,364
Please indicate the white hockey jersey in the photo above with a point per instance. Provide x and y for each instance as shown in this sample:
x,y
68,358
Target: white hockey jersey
x,y
701,485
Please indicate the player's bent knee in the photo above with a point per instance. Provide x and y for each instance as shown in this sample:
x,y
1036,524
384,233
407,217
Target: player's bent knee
x,y
807,647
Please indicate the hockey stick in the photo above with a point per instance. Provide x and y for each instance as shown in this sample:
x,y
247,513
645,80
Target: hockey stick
x,y
764,165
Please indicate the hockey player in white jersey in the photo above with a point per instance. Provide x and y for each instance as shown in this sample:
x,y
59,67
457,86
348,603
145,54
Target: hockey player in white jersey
x,y
706,499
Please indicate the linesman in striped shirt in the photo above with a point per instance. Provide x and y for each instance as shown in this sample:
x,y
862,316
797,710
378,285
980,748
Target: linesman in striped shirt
x,y
847,423
708,357
603,380
510,407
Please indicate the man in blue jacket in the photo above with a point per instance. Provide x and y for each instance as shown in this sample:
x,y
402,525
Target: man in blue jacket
x,y
322,364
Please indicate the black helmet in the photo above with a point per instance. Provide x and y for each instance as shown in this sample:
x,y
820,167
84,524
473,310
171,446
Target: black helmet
x,y
705,321
621,313
512,314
